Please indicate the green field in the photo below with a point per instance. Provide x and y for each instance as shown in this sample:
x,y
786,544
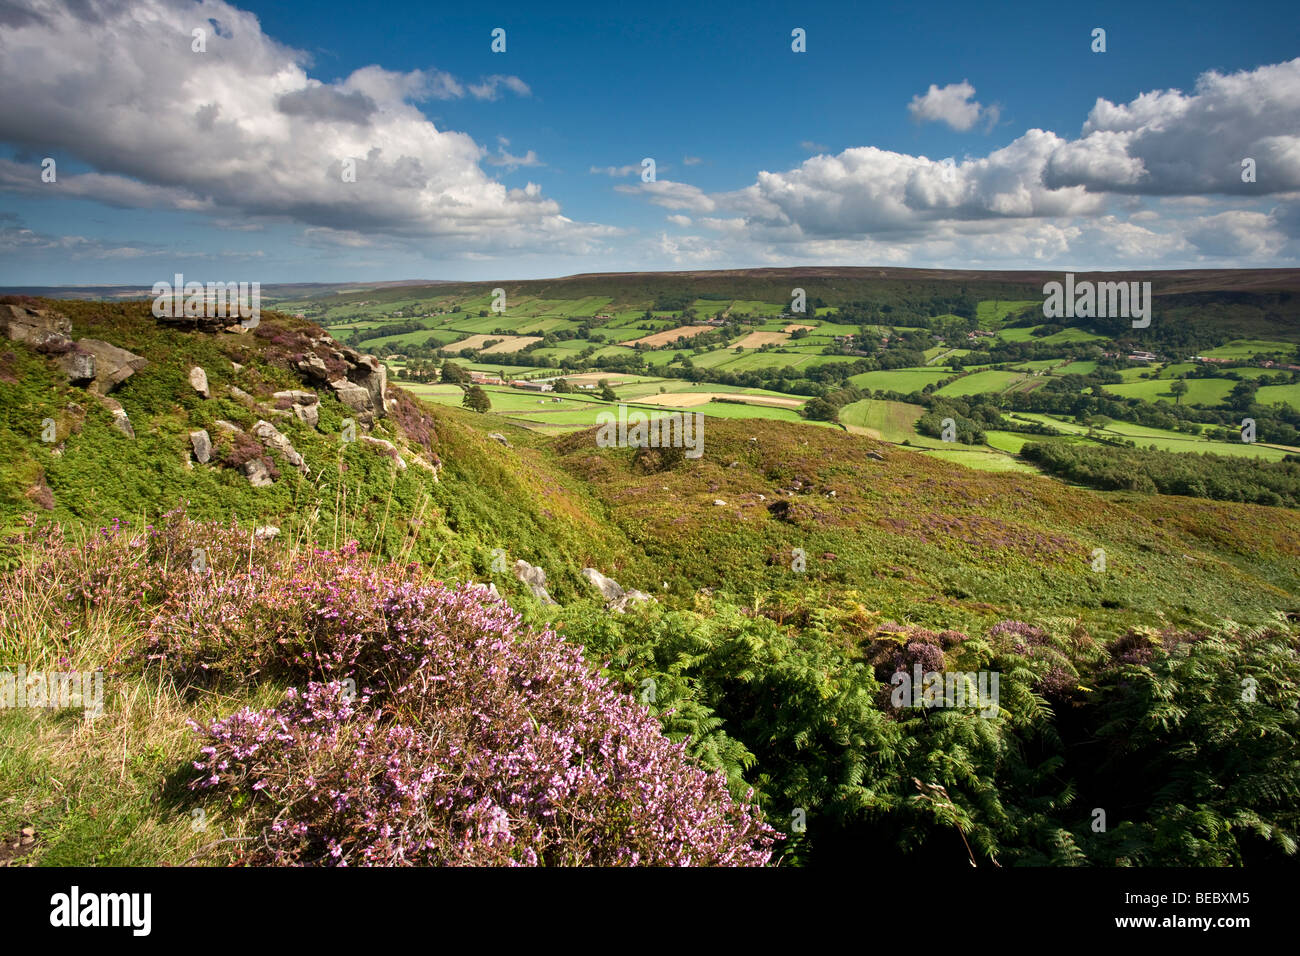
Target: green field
x,y
1245,348
901,380
981,382
1279,394
991,314
1200,391
889,421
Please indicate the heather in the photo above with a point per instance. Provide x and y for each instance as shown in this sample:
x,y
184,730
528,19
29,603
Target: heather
x,y
422,724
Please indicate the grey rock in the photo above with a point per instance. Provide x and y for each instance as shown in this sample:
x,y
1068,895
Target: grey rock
x,y
79,366
535,578
305,406
241,396
201,442
256,472
616,599
113,365
199,381
272,438
497,436
33,326
123,424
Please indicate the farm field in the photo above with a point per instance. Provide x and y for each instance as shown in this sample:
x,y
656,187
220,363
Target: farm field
x,y
671,335
1283,394
506,344
901,380
1200,391
981,382
877,418
1245,348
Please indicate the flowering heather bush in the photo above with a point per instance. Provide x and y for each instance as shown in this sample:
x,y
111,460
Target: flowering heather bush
x,y
1056,672
473,741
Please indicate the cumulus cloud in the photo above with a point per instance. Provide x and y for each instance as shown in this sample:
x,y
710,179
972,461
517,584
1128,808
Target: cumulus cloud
x,y
1042,195
954,105
1168,143
244,131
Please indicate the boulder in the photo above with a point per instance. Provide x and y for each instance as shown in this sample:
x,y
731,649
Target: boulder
x,y
79,366
355,397
314,367
497,436
616,599
199,381
35,327
201,442
113,365
271,437
535,578
305,406
256,472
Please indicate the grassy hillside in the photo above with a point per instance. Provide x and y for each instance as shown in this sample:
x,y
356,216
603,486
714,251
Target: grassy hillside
x,y
792,569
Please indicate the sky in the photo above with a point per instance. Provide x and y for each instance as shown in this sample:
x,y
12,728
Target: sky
x,y
339,141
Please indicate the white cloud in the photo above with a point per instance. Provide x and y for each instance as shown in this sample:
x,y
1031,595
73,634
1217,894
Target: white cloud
x,y
672,195
244,131
954,105
1167,143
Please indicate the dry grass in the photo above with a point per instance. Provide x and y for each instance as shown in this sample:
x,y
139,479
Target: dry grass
x,y
671,335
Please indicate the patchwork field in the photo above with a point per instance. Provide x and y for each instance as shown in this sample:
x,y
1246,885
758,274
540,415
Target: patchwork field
x,y
506,344
671,335
757,339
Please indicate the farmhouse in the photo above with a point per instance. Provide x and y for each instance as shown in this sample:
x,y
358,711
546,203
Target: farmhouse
x,y
1142,357
532,386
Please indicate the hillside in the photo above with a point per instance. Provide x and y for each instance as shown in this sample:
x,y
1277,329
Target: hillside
x,y
791,569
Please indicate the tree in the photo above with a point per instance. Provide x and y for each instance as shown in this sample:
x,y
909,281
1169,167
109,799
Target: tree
x,y
453,373
820,410
476,399
607,393
1178,389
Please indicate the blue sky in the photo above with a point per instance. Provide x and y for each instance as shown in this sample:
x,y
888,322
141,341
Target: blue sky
x,y
228,162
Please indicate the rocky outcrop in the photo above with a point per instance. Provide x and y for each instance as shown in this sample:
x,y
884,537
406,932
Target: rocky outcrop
x,y
535,578
360,381
199,381
42,329
616,598
497,436
49,333
201,443
305,406
272,438
113,365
